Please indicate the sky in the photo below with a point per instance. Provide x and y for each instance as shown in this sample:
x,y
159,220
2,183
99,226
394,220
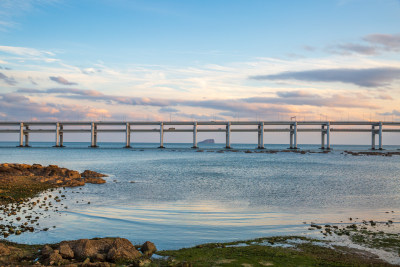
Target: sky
x,y
199,60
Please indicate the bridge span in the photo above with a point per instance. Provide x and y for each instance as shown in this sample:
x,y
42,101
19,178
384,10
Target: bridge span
x,y
325,128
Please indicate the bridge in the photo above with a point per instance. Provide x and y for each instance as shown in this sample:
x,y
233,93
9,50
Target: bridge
x,y
325,128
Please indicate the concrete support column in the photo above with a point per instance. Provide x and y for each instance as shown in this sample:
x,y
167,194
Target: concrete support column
x,y
328,135
128,135
26,136
228,135
194,135
261,135
373,137
295,136
21,134
61,136
161,135
322,136
93,135
57,134
380,135
291,137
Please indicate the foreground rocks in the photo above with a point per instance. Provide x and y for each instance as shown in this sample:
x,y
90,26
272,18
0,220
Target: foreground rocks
x,y
82,252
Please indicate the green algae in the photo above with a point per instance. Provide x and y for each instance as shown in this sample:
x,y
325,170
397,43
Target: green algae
x,y
265,252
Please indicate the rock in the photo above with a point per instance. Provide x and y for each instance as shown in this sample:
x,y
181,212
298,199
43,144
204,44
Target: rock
x,y
148,248
66,252
54,258
122,249
91,174
46,251
94,180
111,249
4,250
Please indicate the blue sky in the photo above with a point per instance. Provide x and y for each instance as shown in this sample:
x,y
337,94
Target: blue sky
x,y
199,60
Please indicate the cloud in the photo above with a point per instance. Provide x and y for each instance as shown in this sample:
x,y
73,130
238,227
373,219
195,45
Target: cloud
x,y
371,44
356,48
301,98
309,48
61,80
373,77
7,80
24,51
167,110
283,102
393,113
388,42
18,107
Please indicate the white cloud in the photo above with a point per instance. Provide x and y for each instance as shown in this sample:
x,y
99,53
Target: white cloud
x,y
25,51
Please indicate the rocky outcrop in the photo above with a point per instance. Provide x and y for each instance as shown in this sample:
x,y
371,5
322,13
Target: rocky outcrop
x,y
95,251
207,141
51,174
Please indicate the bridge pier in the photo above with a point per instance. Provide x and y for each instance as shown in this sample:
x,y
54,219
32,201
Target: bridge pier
x,y
228,136
26,136
128,135
328,135
261,135
293,136
373,132
161,135
194,135
93,135
57,135
323,136
61,135
21,134
380,136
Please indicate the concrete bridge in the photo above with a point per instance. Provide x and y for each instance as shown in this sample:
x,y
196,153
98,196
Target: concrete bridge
x,y
59,129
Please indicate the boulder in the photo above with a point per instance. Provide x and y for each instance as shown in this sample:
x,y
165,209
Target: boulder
x,y
148,248
122,250
66,251
54,258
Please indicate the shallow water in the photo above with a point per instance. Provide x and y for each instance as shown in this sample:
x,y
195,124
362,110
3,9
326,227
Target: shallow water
x,y
177,197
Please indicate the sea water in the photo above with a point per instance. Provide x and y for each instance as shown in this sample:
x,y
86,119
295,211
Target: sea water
x,y
179,197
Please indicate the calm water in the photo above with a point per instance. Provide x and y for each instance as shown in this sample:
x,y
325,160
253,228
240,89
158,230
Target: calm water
x,y
177,197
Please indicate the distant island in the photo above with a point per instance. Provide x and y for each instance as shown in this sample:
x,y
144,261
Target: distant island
x,y
207,141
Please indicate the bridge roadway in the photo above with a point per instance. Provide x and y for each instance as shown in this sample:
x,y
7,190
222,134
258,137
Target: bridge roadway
x,y
24,129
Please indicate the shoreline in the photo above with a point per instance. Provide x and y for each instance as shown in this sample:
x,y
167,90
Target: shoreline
x,y
224,254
